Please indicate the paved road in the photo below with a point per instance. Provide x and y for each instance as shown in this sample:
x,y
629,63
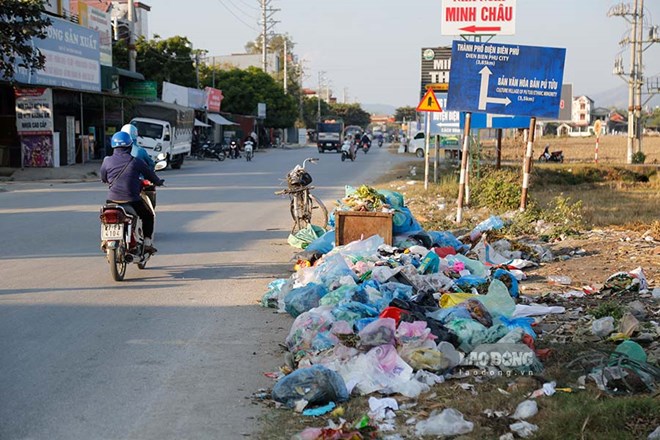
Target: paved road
x,y
174,351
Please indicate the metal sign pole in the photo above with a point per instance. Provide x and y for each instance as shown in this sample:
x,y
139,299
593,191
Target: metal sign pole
x,y
436,139
527,167
461,182
426,150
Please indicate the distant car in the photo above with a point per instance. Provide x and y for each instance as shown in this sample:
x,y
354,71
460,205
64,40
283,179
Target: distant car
x,y
449,144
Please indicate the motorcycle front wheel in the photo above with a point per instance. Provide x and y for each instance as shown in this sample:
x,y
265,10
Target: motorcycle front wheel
x,y
117,264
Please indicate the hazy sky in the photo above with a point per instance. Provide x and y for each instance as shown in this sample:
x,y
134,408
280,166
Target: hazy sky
x,y
371,48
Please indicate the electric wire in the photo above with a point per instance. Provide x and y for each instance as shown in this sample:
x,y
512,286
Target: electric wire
x,y
236,16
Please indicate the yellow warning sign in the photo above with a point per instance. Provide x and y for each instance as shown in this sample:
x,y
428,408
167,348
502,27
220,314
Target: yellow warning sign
x,y
429,103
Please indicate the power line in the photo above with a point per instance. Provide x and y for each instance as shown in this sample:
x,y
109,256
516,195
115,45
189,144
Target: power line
x,y
237,17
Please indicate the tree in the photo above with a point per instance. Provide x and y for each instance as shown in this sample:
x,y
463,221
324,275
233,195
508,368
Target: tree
x,y
20,21
244,89
407,113
352,114
310,111
160,60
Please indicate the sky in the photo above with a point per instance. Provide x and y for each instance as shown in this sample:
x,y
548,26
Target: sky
x,y
369,50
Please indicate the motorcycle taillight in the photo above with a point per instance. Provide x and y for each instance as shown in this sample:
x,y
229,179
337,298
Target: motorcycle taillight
x,y
113,216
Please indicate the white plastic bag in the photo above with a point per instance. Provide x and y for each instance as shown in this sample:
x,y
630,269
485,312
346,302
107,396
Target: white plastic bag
x,y
447,423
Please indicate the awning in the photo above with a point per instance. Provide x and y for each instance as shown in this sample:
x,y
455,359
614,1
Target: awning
x,y
199,123
220,120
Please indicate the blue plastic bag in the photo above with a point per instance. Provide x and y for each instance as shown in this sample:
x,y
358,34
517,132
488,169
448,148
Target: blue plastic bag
x,y
446,238
524,323
502,273
304,298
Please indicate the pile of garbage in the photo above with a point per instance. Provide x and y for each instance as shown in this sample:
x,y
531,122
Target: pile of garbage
x,y
400,318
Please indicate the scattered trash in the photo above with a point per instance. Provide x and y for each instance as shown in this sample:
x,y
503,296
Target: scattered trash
x,y
315,385
603,327
559,280
447,423
523,429
525,410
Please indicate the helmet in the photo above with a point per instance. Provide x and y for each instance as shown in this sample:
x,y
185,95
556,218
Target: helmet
x,y
131,130
121,139
233,142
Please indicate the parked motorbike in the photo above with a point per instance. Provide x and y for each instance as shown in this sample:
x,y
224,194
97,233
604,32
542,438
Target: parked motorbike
x,y
249,148
122,238
206,150
555,156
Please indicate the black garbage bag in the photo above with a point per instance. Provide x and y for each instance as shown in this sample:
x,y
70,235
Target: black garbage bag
x,y
317,385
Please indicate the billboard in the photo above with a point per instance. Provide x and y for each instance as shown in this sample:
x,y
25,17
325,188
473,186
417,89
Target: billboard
x,y
34,111
506,79
96,19
461,17
72,58
213,99
436,63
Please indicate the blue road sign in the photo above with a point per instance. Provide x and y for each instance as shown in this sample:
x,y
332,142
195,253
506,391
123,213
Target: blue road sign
x,y
506,79
488,120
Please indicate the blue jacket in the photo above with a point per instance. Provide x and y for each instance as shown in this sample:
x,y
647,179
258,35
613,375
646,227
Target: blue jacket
x,y
140,153
127,187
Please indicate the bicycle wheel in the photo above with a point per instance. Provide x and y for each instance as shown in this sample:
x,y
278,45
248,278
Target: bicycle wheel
x,y
319,213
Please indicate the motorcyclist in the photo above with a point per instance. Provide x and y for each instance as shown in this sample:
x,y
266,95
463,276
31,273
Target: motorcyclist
x,y
233,150
137,151
121,172
249,147
365,140
348,147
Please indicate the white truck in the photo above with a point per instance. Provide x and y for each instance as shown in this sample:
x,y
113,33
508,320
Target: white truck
x,y
165,128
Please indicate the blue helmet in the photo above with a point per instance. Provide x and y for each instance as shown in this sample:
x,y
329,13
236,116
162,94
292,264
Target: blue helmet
x,y
131,130
121,139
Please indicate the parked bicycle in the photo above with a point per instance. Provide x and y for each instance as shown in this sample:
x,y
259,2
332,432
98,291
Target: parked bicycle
x,y
305,207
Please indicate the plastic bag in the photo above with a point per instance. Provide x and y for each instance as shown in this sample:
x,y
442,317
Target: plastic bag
x,y
305,328
393,198
453,299
323,244
422,358
415,333
352,311
448,423
498,301
525,410
509,280
446,238
358,249
523,323
403,221
271,297
477,311
491,223
304,237
475,267
345,293
328,272
379,332
430,263
317,385
304,298
603,327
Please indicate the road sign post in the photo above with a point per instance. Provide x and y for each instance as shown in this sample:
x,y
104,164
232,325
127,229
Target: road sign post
x,y
527,166
428,104
597,128
464,155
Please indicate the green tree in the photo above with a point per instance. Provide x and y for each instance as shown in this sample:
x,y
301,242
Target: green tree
x,y
20,21
159,60
407,113
352,114
310,111
244,89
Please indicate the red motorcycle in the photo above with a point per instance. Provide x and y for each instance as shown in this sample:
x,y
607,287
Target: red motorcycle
x,y
555,156
122,238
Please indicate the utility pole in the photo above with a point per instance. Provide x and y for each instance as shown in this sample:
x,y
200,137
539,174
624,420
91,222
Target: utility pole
x,y
197,67
132,54
318,96
286,58
635,77
267,24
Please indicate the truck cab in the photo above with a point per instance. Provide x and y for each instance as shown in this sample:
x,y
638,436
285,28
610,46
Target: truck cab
x,y
329,136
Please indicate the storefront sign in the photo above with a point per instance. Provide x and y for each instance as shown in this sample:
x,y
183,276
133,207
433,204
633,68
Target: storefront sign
x,y
196,98
213,99
72,58
142,89
436,63
96,19
34,111
175,94
261,110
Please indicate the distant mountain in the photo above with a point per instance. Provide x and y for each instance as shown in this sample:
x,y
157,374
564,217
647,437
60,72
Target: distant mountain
x,y
379,109
618,98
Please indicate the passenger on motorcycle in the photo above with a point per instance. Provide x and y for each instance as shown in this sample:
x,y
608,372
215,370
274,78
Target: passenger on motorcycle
x,y
122,172
348,147
137,150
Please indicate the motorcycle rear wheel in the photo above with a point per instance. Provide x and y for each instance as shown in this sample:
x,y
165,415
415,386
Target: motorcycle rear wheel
x,y
117,264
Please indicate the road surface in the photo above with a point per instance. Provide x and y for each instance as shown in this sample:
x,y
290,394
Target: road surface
x,y
174,351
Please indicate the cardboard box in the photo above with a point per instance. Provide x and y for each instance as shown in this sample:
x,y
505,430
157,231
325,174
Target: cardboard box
x,y
357,225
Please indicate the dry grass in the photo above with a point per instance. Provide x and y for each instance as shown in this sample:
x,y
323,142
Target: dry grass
x,y
611,149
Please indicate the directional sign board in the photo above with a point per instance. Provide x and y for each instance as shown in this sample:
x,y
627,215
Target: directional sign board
x,y
429,103
445,123
506,79
488,120
461,17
